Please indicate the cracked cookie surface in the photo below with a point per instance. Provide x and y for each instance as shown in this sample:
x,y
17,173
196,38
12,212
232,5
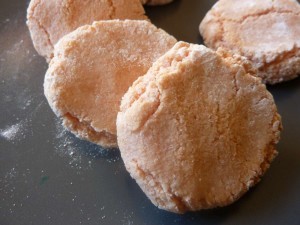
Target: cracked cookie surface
x,y
267,32
198,130
93,67
49,20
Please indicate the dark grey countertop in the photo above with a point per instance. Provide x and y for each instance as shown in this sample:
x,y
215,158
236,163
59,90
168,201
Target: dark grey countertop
x,y
47,176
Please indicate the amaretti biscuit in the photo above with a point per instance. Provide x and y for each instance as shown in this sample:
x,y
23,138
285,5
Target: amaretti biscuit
x,y
49,20
93,67
198,130
267,32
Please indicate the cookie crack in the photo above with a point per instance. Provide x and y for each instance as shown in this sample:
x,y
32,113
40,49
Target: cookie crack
x,y
256,14
220,131
85,130
220,116
157,190
136,96
270,154
34,6
66,10
44,30
151,181
235,86
67,7
281,57
146,97
270,151
266,12
32,16
179,202
153,112
113,9
221,20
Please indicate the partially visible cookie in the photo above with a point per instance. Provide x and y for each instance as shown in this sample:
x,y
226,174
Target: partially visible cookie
x,y
155,2
49,20
93,67
267,32
198,130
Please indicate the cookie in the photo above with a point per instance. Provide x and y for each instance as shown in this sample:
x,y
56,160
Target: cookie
x,y
198,130
93,67
267,32
155,2
49,20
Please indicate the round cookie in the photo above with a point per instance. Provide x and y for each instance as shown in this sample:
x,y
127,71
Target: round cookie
x,y
198,130
49,20
93,67
156,2
267,32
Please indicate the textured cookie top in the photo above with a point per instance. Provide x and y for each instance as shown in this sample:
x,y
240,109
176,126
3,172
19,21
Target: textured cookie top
x,y
49,20
265,31
198,130
94,66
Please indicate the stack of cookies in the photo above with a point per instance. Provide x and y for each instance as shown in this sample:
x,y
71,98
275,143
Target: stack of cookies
x,y
196,127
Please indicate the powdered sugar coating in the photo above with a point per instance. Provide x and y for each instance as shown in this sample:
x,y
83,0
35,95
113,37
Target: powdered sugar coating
x,y
198,130
266,32
49,20
93,67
